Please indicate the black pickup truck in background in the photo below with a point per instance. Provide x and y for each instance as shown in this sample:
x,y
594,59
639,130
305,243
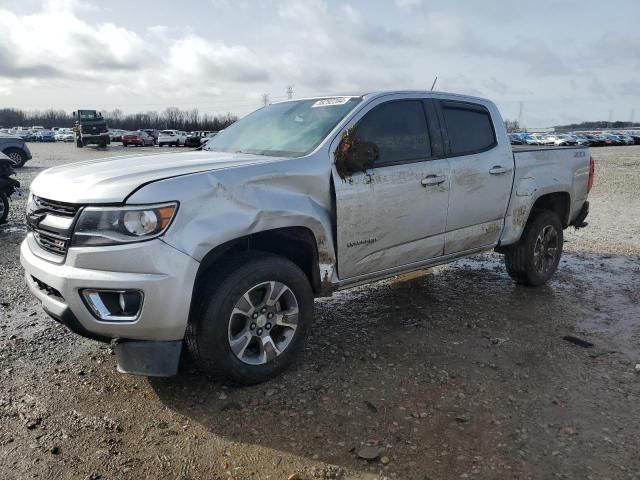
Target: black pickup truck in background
x,y
91,129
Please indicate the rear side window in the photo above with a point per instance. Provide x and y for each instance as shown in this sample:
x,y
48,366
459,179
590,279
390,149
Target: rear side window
x,y
399,129
469,128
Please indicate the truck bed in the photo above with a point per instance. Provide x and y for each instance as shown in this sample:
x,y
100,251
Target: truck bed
x,y
533,148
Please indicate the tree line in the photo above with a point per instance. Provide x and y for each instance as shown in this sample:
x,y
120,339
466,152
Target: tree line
x,y
170,118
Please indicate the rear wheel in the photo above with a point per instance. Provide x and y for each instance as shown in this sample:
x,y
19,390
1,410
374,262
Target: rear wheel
x,y
18,157
4,207
251,318
534,259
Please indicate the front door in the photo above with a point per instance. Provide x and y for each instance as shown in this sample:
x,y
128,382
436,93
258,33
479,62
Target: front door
x,y
394,214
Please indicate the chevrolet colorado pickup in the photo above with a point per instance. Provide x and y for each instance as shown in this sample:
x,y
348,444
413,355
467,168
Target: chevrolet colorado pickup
x,y
223,250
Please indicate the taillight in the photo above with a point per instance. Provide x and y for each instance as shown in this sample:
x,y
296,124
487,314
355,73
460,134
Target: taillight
x,y
592,173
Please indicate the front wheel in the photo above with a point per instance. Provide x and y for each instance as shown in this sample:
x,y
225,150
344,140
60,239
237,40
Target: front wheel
x,y
4,207
17,157
251,318
534,259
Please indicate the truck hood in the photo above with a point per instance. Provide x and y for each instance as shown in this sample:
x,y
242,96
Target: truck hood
x,y
112,180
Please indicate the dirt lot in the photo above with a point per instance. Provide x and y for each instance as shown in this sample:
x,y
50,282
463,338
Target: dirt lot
x,y
453,373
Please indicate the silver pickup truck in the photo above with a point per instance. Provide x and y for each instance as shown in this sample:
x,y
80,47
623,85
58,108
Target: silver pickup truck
x,y
223,250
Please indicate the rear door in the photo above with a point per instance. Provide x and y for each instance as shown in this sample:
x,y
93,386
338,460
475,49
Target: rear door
x,y
395,213
482,170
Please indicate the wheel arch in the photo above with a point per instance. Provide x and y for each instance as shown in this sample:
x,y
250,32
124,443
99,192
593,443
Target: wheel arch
x,y
297,244
558,202
522,208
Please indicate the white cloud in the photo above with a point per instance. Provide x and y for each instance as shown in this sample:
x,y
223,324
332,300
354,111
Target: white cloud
x,y
408,3
223,54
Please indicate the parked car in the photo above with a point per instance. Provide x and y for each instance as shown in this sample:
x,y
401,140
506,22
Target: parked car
x,y
137,138
529,139
45,136
152,132
115,134
593,140
31,136
627,139
172,137
515,139
65,135
612,140
194,139
562,140
16,149
8,185
223,250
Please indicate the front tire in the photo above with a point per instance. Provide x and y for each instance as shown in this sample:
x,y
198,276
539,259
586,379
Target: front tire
x,y
534,259
251,318
18,157
4,208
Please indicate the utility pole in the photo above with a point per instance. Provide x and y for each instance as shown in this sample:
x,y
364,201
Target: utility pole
x,y
610,118
633,114
289,92
520,115
265,99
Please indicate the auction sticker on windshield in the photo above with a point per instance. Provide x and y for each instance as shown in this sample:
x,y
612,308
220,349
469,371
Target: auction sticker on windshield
x,y
330,102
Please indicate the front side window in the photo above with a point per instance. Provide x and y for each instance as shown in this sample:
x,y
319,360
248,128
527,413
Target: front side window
x,y
399,129
469,127
288,129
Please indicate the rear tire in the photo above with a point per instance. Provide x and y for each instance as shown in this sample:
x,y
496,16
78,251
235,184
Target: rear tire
x,y
534,259
242,342
4,208
18,157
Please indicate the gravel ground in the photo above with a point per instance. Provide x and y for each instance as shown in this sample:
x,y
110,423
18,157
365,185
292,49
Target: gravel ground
x,y
451,373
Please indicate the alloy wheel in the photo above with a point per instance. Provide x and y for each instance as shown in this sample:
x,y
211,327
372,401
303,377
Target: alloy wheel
x,y
263,323
546,249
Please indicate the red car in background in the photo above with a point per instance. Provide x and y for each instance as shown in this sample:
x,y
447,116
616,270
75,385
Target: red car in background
x,y
141,139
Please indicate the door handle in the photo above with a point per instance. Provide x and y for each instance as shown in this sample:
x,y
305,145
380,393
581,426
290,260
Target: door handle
x,y
497,170
431,180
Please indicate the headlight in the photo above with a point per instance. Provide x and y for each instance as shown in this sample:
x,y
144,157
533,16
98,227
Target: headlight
x,y
117,225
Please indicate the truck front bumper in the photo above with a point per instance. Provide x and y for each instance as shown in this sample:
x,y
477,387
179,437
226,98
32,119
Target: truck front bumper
x,y
164,275
149,344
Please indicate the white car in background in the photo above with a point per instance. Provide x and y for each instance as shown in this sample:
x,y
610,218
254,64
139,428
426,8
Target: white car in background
x,y
172,137
65,135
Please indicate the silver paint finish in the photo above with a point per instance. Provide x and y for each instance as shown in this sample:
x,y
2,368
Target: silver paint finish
x,y
389,220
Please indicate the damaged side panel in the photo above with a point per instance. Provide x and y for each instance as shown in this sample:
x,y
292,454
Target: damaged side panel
x,y
541,172
217,207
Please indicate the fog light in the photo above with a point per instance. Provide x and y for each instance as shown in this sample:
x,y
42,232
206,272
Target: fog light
x,y
113,305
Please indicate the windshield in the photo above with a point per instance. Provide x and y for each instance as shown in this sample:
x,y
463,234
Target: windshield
x,y
287,129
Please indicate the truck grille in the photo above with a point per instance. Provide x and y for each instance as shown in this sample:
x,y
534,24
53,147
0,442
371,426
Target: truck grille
x,y
58,208
51,243
51,223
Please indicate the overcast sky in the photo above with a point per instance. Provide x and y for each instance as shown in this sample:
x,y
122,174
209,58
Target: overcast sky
x,y
566,61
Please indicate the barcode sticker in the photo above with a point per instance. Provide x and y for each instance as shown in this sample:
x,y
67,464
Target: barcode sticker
x,y
330,102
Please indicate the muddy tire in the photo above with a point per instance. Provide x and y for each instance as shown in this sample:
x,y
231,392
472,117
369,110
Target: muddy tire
x,y
4,208
534,259
250,318
17,156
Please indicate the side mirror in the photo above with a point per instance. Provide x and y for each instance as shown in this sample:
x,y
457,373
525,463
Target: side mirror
x,y
354,155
